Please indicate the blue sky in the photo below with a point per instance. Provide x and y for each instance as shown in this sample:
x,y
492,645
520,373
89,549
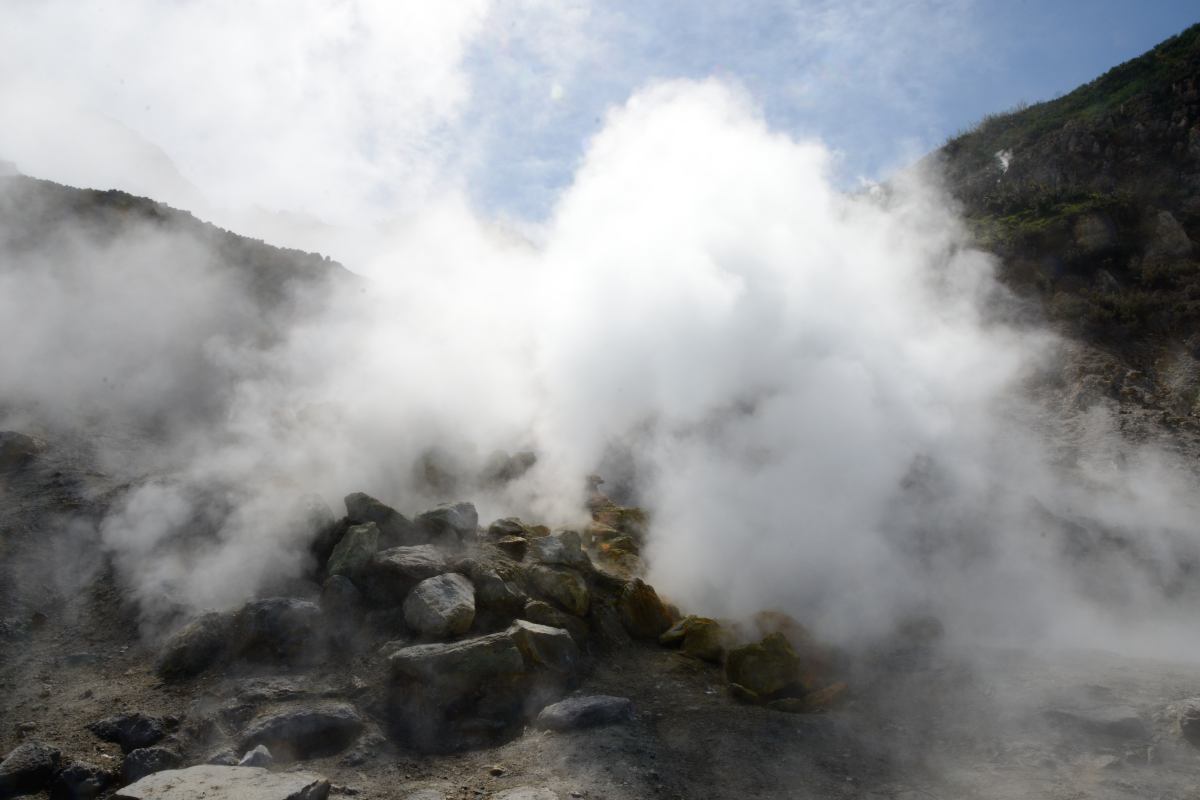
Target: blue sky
x,y
880,82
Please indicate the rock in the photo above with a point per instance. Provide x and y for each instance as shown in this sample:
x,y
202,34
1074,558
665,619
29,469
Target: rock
x,y
815,660
813,702
260,756
493,592
764,669
131,731
426,794
508,526
642,612
227,783
605,625
28,769
563,548
194,647
1168,239
393,573
503,468
443,605
300,733
514,547
452,524
525,793
466,662
147,761
585,712
546,614
698,637
1108,721
544,647
80,780
354,551
562,585
395,529
340,599
1189,723
17,450
278,629
223,758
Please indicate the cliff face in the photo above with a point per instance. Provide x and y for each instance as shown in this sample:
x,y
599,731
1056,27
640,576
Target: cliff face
x,y
1092,201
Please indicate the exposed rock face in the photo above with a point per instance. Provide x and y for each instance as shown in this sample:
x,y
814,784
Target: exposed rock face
x,y
354,551
585,712
227,783
395,529
278,629
195,647
563,586
443,605
147,761
392,573
305,732
642,612
131,731
27,769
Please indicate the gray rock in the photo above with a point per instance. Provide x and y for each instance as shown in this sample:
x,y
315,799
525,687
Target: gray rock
x,y
426,794
563,586
17,450
80,780
392,573
223,758
28,769
1109,721
545,614
305,732
194,647
131,731
1189,722
395,529
544,647
492,591
526,793
443,605
469,661
563,548
227,783
277,629
147,761
340,599
354,551
452,524
503,468
508,526
260,756
574,713
514,547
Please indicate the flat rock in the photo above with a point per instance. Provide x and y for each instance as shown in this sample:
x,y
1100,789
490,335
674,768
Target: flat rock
x,y
544,647
526,793
227,783
27,769
1109,721
443,605
574,713
450,523
309,732
546,614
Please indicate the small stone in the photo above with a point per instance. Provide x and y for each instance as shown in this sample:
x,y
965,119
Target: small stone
x,y
357,547
585,712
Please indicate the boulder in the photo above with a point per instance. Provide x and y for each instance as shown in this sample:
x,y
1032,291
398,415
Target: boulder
x,y
305,732
589,711
467,662
452,524
508,526
514,547
503,468
1189,722
194,647
546,614
764,669
642,612
278,629
147,761
563,586
80,780
395,529
227,783
28,769
812,703
816,662
340,599
493,592
354,551
698,637
544,647
131,731
443,605
563,548
393,573
17,450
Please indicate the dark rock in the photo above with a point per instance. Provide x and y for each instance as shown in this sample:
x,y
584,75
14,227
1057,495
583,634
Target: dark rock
x,y
227,783
698,637
132,731
452,524
17,450
305,732
147,761
223,758
546,614
278,629
514,547
260,756
503,468
642,612
354,551
585,712
393,573
764,669
467,662
563,586
508,526
341,600
28,769
395,529
443,605
604,622
1106,721
80,780
195,647
544,647
493,592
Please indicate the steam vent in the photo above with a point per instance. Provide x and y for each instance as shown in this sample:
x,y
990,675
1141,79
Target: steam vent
x,y
501,400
